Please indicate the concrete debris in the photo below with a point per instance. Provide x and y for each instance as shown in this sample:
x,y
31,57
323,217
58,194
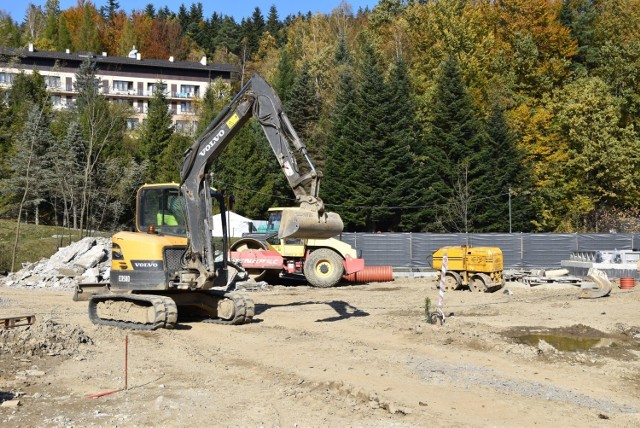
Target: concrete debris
x,y
47,337
85,261
540,276
10,403
599,287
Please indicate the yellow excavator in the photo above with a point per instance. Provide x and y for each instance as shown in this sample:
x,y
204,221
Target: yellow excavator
x,y
169,264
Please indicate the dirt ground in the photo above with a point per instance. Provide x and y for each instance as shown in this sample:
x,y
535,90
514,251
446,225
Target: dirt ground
x,y
356,355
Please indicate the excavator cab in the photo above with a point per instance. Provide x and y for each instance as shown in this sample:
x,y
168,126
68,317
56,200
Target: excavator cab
x,y
161,206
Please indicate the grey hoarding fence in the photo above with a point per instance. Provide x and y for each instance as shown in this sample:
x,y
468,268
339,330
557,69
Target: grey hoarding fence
x,y
520,250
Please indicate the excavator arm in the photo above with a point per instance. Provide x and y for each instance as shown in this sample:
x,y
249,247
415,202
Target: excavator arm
x,y
258,100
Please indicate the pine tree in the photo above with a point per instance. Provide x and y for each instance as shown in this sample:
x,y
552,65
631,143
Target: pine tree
x,y
112,6
89,38
183,16
228,37
28,165
285,76
303,105
248,169
26,90
215,97
252,31
454,157
158,128
9,32
373,114
400,151
505,212
150,10
169,161
52,11
273,25
580,16
343,154
64,37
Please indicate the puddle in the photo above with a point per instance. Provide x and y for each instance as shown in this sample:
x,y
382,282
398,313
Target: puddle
x,y
567,339
576,341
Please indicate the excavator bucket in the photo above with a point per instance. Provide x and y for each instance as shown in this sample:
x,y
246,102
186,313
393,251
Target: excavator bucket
x,y
307,224
600,287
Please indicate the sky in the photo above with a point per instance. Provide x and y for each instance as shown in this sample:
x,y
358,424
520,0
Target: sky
x,y
237,8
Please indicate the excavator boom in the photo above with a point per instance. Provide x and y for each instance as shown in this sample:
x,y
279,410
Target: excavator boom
x,y
256,99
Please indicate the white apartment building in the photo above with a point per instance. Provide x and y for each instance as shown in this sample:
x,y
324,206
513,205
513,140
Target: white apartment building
x,y
129,80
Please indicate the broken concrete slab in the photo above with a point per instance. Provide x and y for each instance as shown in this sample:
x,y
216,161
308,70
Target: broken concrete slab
x,y
10,403
91,257
67,267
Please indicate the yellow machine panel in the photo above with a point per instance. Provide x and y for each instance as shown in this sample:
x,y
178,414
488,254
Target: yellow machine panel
x,y
128,246
479,268
477,259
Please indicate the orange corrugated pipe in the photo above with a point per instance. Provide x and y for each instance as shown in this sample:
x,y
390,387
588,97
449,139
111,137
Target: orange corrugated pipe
x,y
371,274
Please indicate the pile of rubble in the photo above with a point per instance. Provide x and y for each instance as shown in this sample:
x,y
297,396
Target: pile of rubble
x,y
85,261
46,337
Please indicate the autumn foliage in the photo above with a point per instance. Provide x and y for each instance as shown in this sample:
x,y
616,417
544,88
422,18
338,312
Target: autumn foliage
x,y
550,91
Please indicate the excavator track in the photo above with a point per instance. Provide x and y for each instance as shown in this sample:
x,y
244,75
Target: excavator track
x,y
133,311
233,309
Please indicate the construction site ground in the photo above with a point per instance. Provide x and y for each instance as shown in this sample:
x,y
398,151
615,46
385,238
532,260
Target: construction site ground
x,y
354,355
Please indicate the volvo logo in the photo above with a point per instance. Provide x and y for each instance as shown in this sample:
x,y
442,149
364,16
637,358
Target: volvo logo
x,y
212,143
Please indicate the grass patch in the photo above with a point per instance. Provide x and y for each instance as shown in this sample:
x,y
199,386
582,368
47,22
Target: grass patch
x,y
36,242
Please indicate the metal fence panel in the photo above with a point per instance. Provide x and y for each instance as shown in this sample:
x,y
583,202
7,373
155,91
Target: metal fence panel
x,y
382,249
546,250
423,245
509,243
520,250
604,241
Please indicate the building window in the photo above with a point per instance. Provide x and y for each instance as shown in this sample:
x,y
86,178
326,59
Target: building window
x,y
122,86
56,100
188,91
122,101
133,123
185,127
186,107
7,78
152,86
52,81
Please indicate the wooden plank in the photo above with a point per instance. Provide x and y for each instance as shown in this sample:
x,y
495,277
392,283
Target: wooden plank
x,y
10,322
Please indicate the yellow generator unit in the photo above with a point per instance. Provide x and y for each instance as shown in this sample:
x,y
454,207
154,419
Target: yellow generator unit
x,y
475,268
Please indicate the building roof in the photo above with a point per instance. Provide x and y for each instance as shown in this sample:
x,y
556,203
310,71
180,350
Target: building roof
x,y
115,60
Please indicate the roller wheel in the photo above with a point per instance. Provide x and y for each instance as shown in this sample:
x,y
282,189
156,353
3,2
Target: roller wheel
x,y
249,244
323,268
452,281
477,284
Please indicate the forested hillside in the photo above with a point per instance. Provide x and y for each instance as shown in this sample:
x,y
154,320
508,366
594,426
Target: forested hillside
x,y
455,115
